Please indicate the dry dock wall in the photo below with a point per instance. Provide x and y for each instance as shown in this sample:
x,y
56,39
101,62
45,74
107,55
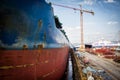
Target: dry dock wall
x,y
77,68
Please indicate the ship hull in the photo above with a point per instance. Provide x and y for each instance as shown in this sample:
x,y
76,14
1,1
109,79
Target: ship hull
x,y
43,64
31,47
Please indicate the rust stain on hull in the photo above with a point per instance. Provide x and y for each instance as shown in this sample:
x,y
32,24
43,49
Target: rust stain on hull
x,y
45,64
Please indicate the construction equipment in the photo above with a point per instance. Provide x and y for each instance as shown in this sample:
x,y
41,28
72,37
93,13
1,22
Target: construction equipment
x,y
82,46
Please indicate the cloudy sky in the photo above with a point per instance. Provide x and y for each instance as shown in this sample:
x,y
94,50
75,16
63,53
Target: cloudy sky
x,y
105,24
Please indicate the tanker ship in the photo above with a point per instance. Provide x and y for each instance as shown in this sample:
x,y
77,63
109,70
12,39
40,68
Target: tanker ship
x,y
31,47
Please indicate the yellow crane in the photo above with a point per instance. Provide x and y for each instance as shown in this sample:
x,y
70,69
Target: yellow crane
x,y
82,46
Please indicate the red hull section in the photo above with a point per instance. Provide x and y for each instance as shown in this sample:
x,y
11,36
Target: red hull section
x,y
44,64
104,52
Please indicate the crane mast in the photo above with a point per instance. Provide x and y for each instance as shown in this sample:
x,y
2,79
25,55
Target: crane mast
x,y
82,46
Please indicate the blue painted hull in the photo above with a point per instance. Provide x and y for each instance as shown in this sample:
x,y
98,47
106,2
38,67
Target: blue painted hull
x,y
28,23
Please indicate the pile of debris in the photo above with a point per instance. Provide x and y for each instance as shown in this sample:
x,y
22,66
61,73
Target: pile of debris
x,y
91,72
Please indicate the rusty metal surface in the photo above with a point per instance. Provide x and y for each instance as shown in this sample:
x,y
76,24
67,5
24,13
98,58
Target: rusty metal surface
x,y
31,47
29,23
44,64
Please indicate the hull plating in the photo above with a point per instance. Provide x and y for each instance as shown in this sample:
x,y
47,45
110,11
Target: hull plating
x,y
28,25
44,64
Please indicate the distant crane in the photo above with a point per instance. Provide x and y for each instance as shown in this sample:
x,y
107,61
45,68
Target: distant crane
x,y
82,47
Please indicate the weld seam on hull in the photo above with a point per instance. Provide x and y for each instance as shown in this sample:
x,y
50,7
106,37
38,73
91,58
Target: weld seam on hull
x,y
18,66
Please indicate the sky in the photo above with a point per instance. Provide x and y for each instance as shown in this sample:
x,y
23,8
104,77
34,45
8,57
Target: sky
x,y
104,24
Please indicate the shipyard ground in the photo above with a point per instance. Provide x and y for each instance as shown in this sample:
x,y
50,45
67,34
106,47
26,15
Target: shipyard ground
x,y
111,69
